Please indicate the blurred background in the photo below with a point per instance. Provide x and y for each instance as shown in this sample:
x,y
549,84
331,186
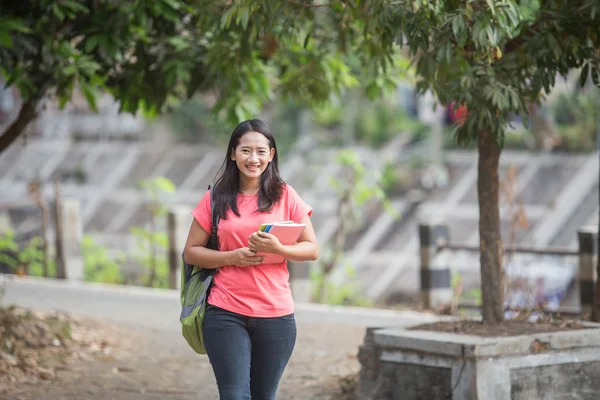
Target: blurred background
x,y
372,170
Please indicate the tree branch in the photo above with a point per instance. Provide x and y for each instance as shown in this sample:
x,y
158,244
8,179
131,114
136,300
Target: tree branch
x,y
26,115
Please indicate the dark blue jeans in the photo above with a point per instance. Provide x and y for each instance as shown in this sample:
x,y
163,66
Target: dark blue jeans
x,y
248,355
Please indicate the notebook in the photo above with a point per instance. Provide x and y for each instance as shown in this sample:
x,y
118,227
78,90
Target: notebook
x,y
287,232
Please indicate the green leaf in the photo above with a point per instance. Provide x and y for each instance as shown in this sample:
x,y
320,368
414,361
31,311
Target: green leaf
x,y
245,18
164,184
492,7
6,39
58,11
584,74
90,95
14,24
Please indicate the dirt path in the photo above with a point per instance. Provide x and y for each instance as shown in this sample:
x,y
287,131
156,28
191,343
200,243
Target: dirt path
x,y
146,364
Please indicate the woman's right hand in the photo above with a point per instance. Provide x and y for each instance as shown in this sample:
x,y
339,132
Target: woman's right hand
x,y
244,257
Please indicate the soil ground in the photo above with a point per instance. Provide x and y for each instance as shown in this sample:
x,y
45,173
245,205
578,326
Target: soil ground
x,y
506,328
128,362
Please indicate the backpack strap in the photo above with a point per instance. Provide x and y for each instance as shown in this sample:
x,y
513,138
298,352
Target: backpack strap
x,y
215,222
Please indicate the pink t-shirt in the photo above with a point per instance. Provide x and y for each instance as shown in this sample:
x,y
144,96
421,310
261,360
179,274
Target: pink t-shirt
x,y
257,291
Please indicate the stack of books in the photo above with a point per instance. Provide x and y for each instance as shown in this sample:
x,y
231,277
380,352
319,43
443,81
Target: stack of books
x,y
287,232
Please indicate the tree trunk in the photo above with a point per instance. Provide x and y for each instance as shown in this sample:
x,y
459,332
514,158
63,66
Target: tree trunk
x,y
492,271
26,115
61,273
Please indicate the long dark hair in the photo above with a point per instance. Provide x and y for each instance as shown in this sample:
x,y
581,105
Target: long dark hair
x,y
227,185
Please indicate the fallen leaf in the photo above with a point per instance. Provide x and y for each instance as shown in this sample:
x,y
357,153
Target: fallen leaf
x,y
45,373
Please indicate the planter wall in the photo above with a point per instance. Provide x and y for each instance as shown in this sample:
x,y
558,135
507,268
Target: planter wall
x,y
410,364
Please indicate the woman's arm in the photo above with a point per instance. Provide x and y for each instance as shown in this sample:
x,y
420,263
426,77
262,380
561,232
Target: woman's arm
x,y
306,249
196,253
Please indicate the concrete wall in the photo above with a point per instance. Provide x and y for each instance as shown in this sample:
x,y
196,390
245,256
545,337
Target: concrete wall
x,y
414,365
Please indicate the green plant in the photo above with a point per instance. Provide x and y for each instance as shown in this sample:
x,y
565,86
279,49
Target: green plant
x,y
193,120
389,177
9,250
378,122
577,113
152,243
27,259
330,115
354,190
152,55
98,265
346,294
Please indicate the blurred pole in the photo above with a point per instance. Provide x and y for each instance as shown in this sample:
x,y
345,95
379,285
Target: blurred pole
x,y
72,235
596,308
58,232
37,195
179,219
436,278
587,277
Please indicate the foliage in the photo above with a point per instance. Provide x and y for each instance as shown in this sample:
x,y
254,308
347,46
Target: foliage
x,y
27,259
376,121
577,114
495,56
192,120
360,188
153,243
150,55
390,177
330,115
381,121
98,265
354,191
345,294
156,189
285,124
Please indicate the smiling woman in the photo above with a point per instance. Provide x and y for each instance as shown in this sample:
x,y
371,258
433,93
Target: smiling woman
x,y
249,327
252,156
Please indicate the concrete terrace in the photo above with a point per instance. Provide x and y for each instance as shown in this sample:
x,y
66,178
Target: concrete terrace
x,y
559,191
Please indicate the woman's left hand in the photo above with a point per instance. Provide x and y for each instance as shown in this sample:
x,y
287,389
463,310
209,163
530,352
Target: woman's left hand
x,y
264,242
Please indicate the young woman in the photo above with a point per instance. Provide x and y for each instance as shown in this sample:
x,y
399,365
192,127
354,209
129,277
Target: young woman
x,y
249,326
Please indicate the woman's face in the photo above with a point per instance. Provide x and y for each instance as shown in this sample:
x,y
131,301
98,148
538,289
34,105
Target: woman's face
x,y
252,155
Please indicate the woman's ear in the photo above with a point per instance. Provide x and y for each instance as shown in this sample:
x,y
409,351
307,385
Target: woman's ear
x,y
272,154
232,154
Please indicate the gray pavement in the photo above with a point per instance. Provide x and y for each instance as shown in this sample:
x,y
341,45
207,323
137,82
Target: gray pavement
x,y
159,309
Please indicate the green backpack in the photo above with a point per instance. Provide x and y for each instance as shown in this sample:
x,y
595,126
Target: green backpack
x,y
195,286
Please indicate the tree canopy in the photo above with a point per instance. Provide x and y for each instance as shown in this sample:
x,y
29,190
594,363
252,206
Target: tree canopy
x,y
150,54
495,57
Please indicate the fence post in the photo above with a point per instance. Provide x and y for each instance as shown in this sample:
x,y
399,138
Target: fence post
x,y
436,283
70,237
300,280
587,274
179,219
